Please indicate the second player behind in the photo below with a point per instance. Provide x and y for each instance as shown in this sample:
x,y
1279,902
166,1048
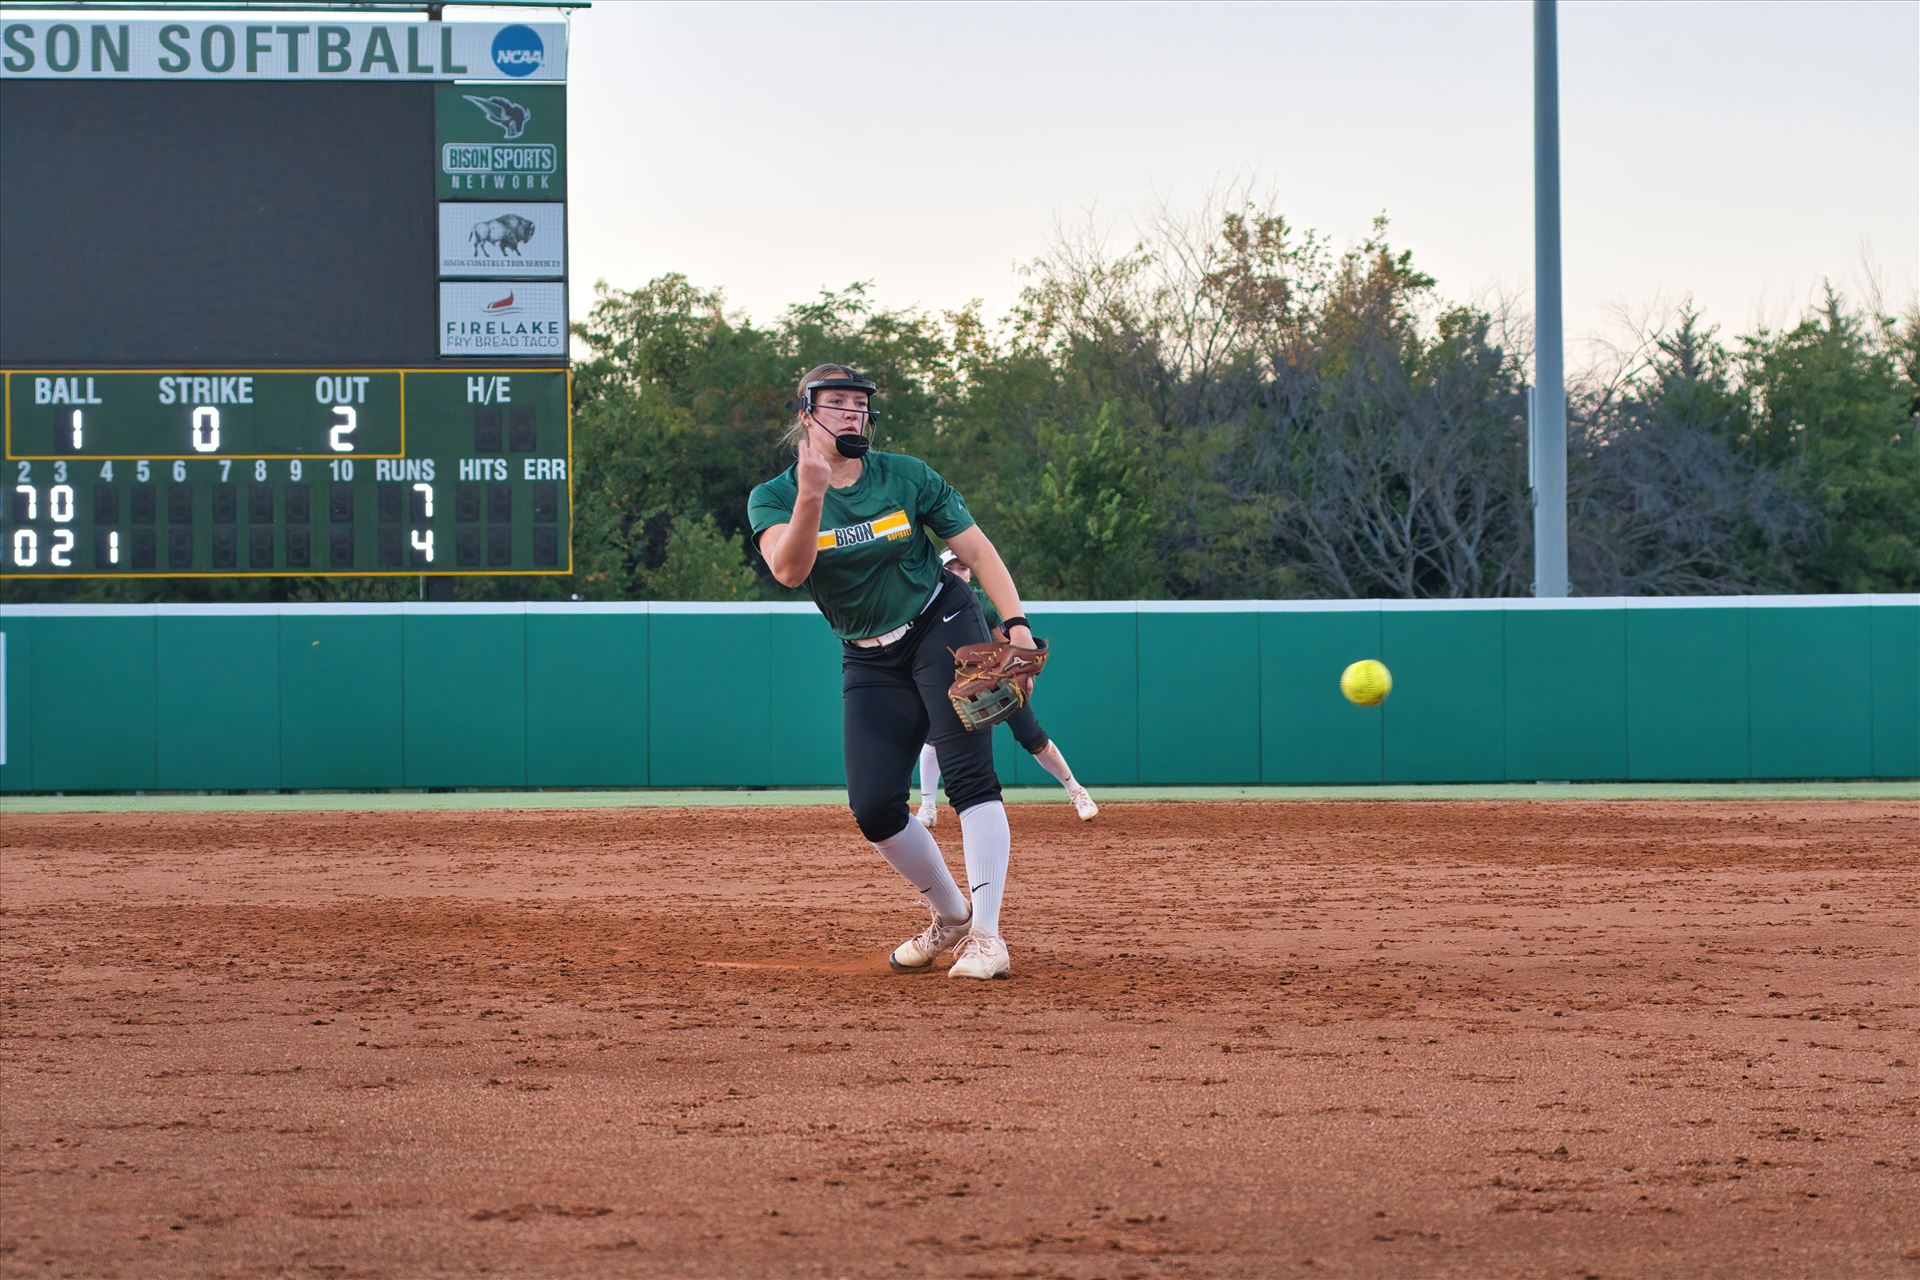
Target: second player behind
x,y
1026,731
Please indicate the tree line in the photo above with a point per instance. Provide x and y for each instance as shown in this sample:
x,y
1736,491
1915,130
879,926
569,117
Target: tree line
x,y
1230,408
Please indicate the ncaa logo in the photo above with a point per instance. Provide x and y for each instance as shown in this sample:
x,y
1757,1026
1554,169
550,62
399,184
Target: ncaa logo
x,y
517,51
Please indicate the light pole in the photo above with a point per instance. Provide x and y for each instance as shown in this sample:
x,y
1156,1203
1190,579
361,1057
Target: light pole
x,y
1547,421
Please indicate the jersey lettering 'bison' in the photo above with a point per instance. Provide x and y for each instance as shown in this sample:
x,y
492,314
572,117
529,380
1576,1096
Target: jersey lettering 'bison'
x,y
509,231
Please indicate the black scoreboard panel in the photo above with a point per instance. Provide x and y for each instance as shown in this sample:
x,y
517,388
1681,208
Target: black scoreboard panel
x,y
198,224
347,471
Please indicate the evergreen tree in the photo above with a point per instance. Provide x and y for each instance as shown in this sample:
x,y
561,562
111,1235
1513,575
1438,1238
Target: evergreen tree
x,y
1833,406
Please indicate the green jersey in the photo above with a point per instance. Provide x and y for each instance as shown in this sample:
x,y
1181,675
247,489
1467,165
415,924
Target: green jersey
x,y
876,567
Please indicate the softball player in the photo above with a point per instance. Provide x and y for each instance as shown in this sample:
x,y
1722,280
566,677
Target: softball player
x,y
846,519
1026,730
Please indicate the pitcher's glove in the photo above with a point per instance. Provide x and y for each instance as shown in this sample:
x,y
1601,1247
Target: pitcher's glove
x,y
992,678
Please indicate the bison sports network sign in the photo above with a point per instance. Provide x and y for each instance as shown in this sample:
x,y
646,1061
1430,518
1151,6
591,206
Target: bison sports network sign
x,y
501,141
503,241
284,50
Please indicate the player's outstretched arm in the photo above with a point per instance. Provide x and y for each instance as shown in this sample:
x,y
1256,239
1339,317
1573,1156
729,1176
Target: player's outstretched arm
x,y
974,548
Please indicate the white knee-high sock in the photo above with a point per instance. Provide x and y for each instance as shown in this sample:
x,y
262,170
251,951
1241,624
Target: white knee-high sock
x,y
914,855
983,829
929,772
1056,764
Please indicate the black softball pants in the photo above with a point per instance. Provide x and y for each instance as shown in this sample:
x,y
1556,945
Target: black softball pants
x,y
1026,728
894,698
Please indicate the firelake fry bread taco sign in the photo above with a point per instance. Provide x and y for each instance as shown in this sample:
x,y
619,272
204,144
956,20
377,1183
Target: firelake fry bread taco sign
x,y
502,318
88,49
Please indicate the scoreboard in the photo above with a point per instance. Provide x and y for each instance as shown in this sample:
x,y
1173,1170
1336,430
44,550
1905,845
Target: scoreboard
x,y
283,298
345,471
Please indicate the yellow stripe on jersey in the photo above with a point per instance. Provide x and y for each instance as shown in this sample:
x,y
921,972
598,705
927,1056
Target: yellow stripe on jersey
x,y
895,525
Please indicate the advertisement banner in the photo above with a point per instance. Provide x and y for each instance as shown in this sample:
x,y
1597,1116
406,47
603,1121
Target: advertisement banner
x,y
503,318
105,49
503,241
497,141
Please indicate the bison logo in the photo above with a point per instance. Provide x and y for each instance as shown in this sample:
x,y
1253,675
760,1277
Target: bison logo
x,y
511,116
509,231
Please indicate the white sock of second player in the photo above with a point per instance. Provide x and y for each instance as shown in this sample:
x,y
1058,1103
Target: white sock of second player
x,y
1056,764
929,773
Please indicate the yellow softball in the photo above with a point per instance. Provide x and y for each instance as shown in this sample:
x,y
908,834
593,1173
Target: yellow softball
x,y
1366,682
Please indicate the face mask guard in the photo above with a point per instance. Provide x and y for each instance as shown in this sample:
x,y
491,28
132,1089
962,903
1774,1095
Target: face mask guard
x,y
850,446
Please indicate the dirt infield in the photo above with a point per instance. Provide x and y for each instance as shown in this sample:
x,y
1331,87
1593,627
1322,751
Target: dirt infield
x,y
1240,1040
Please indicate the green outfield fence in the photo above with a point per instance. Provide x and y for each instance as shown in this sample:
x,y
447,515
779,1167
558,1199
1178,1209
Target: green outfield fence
x,y
308,697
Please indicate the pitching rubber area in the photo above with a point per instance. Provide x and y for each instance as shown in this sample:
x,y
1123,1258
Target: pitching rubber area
x,y
1462,1038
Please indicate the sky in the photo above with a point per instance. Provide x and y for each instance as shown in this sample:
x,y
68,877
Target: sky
x,y
1735,152
1739,153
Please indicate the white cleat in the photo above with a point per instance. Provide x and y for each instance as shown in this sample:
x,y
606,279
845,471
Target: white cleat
x,y
929,814
917,952
1083,803
980,955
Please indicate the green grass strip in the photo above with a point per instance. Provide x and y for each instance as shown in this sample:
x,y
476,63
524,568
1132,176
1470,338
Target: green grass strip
x,y
322,801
